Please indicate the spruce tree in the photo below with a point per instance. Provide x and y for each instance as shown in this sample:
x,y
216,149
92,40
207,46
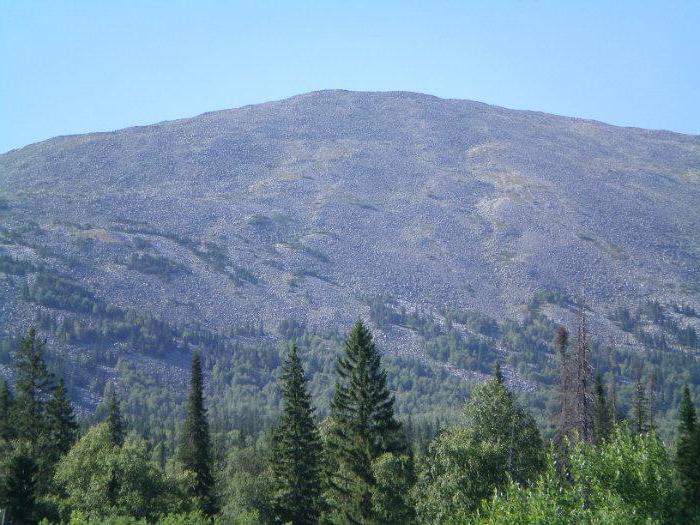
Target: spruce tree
x,y
18,496
7,430
640,407
498,374
62,427
687,416
33,387
296,456
362,428
688,449
115,422
195,448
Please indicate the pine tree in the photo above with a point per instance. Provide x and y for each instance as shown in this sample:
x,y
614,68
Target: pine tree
x,y
62,427
602,412
115,422
33,388
362,428
7,430
641,406
296,457
688,449
195,447
498,374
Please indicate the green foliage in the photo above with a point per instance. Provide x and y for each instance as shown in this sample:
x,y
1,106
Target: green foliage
x,y
62,429
498,442
10,265
547,502
154,265
629,479
296,454
688,450
7,402
33,387
246,481
100,478
115,423
635,468
368,471
392,499
18,478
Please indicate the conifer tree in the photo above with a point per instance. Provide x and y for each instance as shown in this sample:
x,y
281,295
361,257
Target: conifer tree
x,y
6,411
115,422
640,407
498,374
362,428
195,447
296,456
61,425
18,496
33,389
688,449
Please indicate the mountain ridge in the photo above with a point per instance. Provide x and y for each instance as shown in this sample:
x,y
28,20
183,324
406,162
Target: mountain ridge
x,y
332,91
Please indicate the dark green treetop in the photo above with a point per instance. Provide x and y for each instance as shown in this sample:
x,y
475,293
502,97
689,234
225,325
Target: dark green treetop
x,y
296,456
362,428
195,447
115,421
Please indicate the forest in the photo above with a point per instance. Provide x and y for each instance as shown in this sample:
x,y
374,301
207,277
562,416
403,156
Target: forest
x,y
361,463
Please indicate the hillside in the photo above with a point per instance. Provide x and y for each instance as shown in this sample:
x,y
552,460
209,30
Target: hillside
x,y
429,217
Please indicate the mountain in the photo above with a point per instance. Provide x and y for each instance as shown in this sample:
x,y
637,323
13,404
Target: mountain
x,y
314,210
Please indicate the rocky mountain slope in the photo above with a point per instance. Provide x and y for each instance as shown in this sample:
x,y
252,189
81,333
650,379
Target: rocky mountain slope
x,y
312,207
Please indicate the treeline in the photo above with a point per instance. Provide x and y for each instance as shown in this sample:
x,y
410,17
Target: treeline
x,y
361,464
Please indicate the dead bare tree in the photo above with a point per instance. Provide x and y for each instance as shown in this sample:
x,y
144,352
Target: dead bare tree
x,y
583,382
575,419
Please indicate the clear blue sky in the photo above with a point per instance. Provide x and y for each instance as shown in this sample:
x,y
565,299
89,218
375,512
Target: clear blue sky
x,y
79,66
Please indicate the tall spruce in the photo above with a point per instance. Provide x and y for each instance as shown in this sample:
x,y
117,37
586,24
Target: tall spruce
x,y
688,449
115,421
296,456
195,447
362,428
640,406
61,425
7,430
33,388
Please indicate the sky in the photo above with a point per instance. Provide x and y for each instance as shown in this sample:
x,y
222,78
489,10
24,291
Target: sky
x,y
78,66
